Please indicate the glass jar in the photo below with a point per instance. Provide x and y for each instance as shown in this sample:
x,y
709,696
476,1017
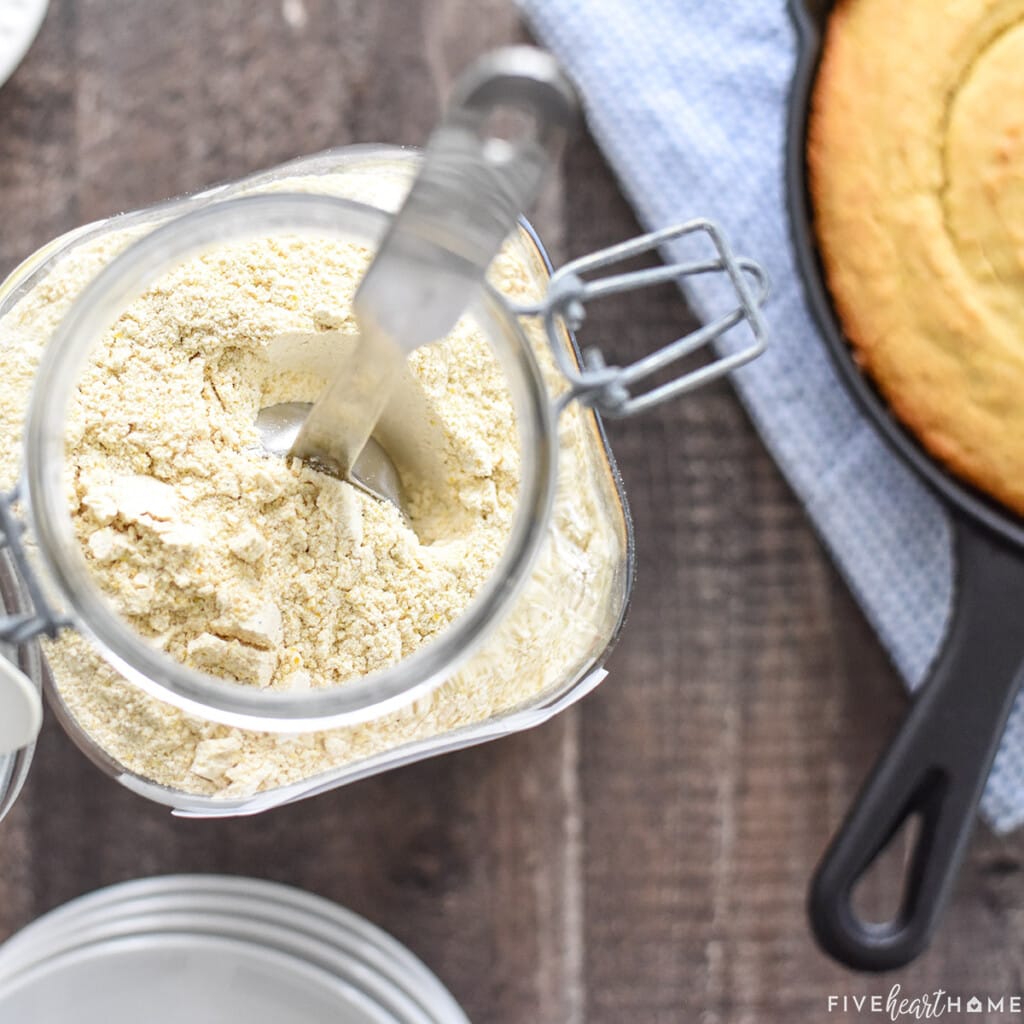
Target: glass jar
x,y
418,707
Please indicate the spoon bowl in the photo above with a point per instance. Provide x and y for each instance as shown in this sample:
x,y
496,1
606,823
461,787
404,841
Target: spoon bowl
x,y
373,471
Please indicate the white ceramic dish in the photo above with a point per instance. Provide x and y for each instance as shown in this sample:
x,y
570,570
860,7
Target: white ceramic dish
x,y
106,941
166,979
19,24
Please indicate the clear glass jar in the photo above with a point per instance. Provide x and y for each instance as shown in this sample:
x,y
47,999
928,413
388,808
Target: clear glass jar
x,y
355,174
411,710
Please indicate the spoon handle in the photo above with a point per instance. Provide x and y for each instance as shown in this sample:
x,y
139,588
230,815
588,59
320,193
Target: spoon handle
x,y
484,164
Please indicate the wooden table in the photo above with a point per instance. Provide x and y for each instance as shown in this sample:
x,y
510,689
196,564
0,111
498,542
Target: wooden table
x,y
641,859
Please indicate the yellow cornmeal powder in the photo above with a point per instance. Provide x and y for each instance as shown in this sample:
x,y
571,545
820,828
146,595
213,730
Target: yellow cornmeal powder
x,y
253,567
261,570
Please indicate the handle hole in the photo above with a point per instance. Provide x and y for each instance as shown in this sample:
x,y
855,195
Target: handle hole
x,y
878,894
509,123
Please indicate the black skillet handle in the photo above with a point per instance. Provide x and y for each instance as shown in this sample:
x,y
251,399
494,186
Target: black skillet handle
x,y
936,767
810,17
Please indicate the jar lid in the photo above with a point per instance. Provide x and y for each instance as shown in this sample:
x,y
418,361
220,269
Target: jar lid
x,y
67,570
207,947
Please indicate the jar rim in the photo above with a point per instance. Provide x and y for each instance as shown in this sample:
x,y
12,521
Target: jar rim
x,y
212,219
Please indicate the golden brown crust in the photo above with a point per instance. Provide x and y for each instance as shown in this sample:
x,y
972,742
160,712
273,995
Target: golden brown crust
x,y
915,155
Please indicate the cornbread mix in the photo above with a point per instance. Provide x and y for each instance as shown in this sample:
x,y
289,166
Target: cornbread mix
x,y
245,630
916,159
263,571
253,568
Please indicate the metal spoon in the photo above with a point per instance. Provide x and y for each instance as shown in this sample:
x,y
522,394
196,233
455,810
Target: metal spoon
x,y
373,471
473,184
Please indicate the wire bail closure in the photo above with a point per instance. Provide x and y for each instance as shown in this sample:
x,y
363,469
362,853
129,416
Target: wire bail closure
x,y
609,389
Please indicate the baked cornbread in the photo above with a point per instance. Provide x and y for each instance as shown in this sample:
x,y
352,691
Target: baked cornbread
x,y
916,159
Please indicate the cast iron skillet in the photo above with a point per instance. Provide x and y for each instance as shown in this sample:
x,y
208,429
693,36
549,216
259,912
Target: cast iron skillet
x,y
937,764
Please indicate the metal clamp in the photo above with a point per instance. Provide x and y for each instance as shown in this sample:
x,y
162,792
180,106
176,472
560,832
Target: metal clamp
x,y
42,620
609,389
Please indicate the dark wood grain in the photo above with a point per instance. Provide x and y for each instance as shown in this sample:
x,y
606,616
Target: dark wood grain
x,y
642,859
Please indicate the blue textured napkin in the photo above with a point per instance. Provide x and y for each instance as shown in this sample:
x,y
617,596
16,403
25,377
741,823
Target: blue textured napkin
x,y
687,98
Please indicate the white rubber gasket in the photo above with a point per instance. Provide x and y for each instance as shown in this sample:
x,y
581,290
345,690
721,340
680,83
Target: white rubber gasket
x,y
21,709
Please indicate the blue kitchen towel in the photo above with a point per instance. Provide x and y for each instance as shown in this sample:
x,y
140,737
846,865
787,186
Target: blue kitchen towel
x,y
687,99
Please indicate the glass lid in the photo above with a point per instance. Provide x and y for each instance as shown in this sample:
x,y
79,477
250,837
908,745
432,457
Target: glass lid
x,y
100,312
